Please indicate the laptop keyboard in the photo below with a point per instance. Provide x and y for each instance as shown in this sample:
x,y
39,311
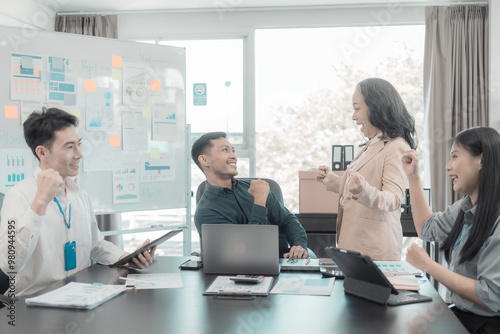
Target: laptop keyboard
x,y
402,299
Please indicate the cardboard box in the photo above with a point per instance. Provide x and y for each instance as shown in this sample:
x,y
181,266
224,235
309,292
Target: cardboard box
x,y
313,196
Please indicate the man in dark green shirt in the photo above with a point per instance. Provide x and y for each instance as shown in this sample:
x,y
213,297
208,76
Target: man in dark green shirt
x,y
230,201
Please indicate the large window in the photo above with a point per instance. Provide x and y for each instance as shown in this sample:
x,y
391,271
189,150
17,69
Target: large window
x,y
305,79
219,65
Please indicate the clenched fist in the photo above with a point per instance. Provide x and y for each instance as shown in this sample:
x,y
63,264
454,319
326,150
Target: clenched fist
x,y
259,189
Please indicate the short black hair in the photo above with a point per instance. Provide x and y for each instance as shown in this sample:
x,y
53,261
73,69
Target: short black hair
x,y
203,144
40,127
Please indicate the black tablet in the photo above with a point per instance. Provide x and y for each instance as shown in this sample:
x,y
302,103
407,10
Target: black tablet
x,y
359,267
364,279
153,243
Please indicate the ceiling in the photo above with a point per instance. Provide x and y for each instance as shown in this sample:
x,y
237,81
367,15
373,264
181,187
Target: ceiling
x,y
108,6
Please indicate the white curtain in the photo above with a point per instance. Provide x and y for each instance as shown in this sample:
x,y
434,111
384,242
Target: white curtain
x,y
455,85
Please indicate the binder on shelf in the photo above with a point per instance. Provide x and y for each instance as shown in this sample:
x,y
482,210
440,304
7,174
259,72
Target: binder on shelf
x,y
337,157
348,155
406,203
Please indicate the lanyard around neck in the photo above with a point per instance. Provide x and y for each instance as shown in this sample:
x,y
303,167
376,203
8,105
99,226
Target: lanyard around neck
x,y
68,223
461,236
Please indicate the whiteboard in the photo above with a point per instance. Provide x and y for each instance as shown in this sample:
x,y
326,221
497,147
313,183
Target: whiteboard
x,y
130,99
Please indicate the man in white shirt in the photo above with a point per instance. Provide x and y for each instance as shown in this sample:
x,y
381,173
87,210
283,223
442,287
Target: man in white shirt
x,y
48,229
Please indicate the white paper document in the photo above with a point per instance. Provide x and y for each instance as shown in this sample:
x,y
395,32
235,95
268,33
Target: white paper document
x,y
397,268
77,295
154,281
304,286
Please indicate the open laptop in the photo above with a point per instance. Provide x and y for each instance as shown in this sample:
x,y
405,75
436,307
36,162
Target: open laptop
x,y
364,279
240,249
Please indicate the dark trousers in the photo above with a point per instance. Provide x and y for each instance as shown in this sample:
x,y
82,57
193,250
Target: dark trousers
x,y
476,323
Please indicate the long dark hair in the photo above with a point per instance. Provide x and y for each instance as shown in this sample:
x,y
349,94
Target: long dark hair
x,y
477,141
388,112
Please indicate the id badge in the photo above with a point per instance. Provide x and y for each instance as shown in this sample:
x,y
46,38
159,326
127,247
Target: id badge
x,y
70,255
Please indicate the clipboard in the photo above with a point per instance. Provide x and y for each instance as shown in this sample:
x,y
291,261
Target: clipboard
x,y
153,243
224,288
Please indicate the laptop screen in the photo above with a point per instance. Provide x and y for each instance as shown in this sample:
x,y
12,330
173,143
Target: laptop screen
x,y
240,249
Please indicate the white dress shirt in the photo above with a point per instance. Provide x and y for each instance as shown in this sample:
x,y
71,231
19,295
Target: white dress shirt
x,y
39,240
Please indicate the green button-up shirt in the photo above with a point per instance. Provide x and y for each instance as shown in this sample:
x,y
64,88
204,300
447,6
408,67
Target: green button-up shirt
x,y
225,206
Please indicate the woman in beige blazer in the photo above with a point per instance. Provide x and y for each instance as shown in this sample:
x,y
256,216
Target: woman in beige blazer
x,y
373,186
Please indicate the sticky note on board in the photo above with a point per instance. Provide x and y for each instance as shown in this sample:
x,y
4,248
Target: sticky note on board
x,y
146,111
155,85
116,74
114,140
58,63
69,99
155,153
73,64
116,61
89,85
11,112
26,62
76,113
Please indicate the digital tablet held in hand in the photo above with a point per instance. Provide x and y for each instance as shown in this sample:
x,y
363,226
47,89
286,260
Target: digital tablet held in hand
x,y
153,243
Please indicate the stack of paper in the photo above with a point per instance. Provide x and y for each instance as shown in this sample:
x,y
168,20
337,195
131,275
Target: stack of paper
x,y
299,264
397,268
77,295
404,282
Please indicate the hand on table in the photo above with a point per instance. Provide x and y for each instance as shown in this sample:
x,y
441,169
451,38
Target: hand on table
x,y
298,251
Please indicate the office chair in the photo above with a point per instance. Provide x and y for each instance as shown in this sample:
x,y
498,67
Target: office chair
x,y
4,279
276,190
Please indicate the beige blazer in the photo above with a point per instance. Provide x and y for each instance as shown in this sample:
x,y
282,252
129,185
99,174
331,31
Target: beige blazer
x,y
371,223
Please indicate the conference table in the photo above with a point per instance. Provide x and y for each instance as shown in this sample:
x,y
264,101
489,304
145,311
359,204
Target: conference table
x,y
187,310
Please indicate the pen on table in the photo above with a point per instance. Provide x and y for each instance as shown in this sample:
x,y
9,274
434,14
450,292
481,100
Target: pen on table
x,y
131,280
184,262
308,260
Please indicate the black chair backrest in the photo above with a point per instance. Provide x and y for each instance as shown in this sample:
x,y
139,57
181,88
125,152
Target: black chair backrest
x,y
275,188
273,185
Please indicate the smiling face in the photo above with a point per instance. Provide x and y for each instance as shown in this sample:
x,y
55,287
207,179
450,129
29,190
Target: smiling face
x,y
361,115
463,168
220,163
65,154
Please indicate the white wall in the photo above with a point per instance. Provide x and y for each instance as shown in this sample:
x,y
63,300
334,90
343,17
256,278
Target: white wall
x,y
27,13
241,23
494,8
